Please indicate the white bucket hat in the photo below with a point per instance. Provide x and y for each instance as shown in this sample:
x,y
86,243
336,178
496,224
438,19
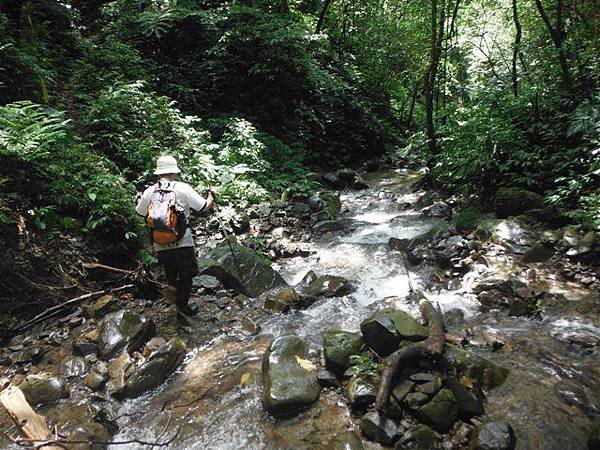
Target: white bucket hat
x,y
166,164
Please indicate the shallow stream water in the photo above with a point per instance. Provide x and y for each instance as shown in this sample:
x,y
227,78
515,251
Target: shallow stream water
x,y
552,390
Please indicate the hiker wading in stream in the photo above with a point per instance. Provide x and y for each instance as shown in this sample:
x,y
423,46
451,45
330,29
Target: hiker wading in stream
x,y
167,207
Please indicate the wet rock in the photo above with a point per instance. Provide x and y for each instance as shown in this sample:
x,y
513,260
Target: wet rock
x,y
513,201
93,432
362,389
468,404
346,441
379,428
331,203
510,233
538,253
327,226
84,348
97,376
289,378
441,412
421,437
402,390
466,363
338,346
123,329
328,286
281,299
384,330
41,389
28,355
75,367
426,232
240,268
250,325
101,307
117,369
438,209
593,442
159,366
495,436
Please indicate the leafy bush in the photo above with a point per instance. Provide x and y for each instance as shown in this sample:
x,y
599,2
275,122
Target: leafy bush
x,y
60,182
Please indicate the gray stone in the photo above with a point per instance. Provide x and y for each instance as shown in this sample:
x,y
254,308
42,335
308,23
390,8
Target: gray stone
x,y
415,399
421,437
338,346
97,376
156,369
240,268
207,282
438,209
402,390
84,348
538,253
362,389
327,378
102,306
513,201
289,379
495,436
123,330
41,389
346,441
510,233
441,412
379,428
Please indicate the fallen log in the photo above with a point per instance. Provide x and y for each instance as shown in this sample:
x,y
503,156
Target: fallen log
x,y
55,310
431,348
31,423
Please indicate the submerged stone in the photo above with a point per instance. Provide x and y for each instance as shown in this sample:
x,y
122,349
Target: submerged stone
x,y
495,436
328,286
346,441
159,366
240,268
338,346
289,379
123,330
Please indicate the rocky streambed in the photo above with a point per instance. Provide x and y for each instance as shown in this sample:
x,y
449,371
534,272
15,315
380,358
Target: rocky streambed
x,y
287,350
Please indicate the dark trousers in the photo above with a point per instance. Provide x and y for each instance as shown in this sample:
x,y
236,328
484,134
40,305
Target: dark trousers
x,y
180,268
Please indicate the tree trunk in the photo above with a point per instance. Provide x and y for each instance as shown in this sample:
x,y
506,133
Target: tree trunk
x,y
322,16
516,48
558,38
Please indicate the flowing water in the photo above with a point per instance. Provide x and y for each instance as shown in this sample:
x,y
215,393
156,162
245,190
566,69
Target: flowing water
x,y
553,388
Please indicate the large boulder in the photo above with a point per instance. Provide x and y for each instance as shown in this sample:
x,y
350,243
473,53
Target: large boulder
x,y
240,268
384,330
495,436
290,381
513,201
159,366
41,389
510,233
440,412
123,329
338,346
465,363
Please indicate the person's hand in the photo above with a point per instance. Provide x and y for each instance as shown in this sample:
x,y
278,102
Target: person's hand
x,y
138,197
211,195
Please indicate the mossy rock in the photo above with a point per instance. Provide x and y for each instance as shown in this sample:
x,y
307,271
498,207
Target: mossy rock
x,y
511,201
338,346
468,364
467,219
440,412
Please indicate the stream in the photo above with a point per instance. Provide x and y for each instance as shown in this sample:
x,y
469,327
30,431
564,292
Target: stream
x,y
213,401
552,388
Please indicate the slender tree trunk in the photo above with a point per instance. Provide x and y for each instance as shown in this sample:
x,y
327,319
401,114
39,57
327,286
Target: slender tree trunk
x,y
558,37
322,16
516,48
